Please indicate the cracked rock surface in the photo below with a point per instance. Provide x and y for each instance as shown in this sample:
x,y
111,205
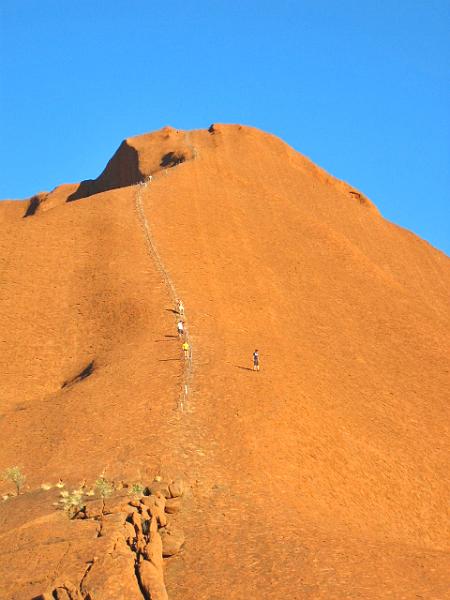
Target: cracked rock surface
x,y
112,549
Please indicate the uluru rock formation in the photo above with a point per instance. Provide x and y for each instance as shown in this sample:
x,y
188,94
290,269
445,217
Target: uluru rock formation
x,y
323,475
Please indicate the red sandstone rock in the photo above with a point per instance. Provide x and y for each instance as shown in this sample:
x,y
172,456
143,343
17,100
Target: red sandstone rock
x,y
172,541
136,521
348,415
173,505
118,503
176,488
156,505
160,486
145,514
94,509
67,591
112,577
152,581
154,549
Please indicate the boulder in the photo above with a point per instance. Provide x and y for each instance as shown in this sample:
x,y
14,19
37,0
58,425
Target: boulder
x,y
153,550
112,577
140,543
152,581
148,501
130,533
155,505
136,521
61,594
172,541
67,591
144,513
159,486
173,505
176,488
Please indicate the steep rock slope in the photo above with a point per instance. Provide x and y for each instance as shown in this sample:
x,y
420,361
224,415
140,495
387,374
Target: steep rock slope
x,y
331,457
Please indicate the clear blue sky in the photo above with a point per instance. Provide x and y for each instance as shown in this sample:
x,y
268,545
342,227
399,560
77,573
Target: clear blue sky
x,y
359,86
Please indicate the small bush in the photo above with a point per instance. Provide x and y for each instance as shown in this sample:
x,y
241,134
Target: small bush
x,y
71,502
15,475
104,487
137,490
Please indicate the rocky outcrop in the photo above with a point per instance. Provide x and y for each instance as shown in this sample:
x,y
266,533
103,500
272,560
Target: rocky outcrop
x,y
134,161
121,170
133,538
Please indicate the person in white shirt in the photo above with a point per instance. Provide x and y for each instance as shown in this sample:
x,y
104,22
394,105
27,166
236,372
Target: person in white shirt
x,y
180,307
180,328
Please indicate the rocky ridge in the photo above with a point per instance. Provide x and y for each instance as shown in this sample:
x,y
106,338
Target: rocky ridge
x,y
126,558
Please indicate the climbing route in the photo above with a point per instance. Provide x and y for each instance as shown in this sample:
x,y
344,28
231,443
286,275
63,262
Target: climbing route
x,y
156,257
190,145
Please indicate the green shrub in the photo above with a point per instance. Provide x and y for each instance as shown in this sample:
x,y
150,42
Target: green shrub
x,y
137,490
104,487
15,475
71,502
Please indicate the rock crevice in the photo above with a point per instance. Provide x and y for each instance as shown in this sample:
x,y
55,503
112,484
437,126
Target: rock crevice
x,y
135,538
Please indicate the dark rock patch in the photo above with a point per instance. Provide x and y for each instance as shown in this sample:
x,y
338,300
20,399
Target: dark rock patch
x,y
32,207
171,159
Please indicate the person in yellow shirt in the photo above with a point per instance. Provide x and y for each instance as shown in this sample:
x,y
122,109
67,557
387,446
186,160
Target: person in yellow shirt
x,y
186,350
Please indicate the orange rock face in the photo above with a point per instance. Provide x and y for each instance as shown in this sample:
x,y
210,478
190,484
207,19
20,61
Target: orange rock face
x,y
323,475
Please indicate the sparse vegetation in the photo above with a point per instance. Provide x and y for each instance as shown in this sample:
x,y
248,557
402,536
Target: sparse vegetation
x,y
104,487
137,490
71,502
15,475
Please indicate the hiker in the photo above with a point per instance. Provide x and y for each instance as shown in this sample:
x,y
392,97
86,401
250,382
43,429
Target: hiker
x,y
180,307
186,349
180,328
256,360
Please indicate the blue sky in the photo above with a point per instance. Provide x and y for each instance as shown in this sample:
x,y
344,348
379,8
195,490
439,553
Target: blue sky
x,y
361,87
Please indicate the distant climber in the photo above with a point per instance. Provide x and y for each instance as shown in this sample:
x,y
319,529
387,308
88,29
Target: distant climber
x,y
186,350
180,327
180,307
256,360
